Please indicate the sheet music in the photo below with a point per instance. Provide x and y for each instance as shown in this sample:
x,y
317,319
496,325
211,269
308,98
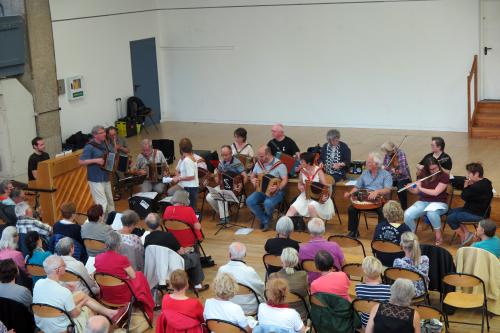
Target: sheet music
x,y
223,195
350,183
117,222
243,231
149,195
433,206
166,199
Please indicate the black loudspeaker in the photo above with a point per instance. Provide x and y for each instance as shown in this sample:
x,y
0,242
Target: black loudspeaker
x,y
142,205
167,148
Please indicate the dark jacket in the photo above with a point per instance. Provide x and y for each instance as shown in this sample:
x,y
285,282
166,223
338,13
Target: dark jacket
x,y
440,264
345,157
337,317
15,315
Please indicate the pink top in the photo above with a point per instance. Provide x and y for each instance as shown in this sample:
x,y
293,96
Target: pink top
x,y
332,283
15,255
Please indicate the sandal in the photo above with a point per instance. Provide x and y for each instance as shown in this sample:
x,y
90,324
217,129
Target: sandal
x,y
438,242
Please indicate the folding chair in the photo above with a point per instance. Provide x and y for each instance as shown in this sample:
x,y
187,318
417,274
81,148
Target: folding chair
x,y
176,225
271,260
364,306
292,297
347,242
223,326
246,290
94,245
309,266
392,273
35,270
355,273
50,311
69,276
428,312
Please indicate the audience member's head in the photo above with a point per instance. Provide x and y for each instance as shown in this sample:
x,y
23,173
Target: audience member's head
x,y
32,241
6,187
324,261
372,268
68,209
17,195
276,291
130,219
113,241
289,259
225,286
487,227
9,239
54,265
153,221
181,197
97,324
64,246
284,226
316,227
411,246
23,209
95,213
393,212
237,251
179,280
8,270
402,292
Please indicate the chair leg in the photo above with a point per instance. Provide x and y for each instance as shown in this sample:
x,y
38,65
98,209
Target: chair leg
x,y
152,122
144,127
366,221
482,320
487,318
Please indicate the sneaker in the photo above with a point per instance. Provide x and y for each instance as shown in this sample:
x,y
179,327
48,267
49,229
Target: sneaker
x,y
467,239
202,288
121,315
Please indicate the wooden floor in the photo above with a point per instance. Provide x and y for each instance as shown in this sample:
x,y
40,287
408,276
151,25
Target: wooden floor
x,y
361,141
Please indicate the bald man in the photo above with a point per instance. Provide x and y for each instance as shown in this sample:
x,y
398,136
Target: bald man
x,y
97,324
281,143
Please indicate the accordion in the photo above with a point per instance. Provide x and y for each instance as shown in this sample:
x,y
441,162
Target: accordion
x,y
156,171
266,181
205,177
246,160
230,180
109,161
317,191
360,201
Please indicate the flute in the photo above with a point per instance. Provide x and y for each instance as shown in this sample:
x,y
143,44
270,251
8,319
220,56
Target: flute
x,y
412,184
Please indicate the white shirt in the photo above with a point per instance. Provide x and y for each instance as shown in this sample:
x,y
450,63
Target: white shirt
x,y
246,275
75,266
187,168
281,317
225,310
50,292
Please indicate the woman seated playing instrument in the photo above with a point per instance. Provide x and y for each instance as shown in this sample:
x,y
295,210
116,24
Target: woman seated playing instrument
x,y
433,197
314,175
240,146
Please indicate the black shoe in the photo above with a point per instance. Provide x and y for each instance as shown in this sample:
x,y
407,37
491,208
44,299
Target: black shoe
x,y
353,234
265,228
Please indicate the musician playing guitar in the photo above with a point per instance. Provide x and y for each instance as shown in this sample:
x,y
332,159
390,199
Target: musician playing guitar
x,y
377,181
269,165
322,208
147,160
230,165
437,147
98,178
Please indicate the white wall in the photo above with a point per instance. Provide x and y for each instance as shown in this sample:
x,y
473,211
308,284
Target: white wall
x,y
381,65
97,47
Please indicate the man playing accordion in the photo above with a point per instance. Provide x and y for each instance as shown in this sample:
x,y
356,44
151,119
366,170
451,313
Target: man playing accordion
x,y
152,163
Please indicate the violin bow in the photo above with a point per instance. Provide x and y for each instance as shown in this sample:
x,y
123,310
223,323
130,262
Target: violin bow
x,y
396,150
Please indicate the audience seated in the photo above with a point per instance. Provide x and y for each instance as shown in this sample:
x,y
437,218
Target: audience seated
x,y
36,253
297,280
8,247
395,316
26,222
8,287
245,275
275,312
316,228
97,324
68,228
131,245
488,239
181,211
284,227
225,288
112,262
65,248
179,313
371,288
95,228
192,263
330,281
413,260
5,189
16,196
77,305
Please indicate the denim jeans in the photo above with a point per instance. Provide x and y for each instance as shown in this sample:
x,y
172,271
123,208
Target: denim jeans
x,y
417,210
193,196
265,215
459,215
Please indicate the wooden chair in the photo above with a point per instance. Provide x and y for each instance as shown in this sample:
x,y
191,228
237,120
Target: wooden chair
x,y
35,270
271,260
300,236
74,277
309,266
355,274
94,245
176,225
393,273
50,311
246,290
108,280
292,297
222,326
364,305
430,312
347,242
464,300
385,247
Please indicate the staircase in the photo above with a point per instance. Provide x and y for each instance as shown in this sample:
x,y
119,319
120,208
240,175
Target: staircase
x,y
486,120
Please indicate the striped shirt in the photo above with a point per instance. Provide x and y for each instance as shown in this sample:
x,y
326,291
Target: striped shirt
x,y
375,292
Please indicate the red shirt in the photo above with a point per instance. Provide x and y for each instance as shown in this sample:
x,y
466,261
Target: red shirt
x,y
184,214
190,307
113,263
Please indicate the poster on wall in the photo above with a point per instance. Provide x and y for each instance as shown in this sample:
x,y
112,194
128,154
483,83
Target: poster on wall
x,y
74,87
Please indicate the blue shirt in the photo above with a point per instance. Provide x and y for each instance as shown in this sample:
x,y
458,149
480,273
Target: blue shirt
x,y
374,292
233,166
382,179
37,259
94,171
279,171
491,245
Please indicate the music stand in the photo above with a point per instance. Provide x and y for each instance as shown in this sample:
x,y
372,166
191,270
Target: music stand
x,y
129,182
224,196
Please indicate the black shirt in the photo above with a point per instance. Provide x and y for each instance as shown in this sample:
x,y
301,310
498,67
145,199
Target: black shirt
x,y
68,230
276,245
444,160
477,196
287,146
162,238
33,163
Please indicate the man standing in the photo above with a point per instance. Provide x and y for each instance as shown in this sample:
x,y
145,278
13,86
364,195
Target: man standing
x,y
98,178
38,155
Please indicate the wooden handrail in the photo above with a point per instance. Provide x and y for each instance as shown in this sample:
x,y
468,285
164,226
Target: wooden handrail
x,y
471,112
